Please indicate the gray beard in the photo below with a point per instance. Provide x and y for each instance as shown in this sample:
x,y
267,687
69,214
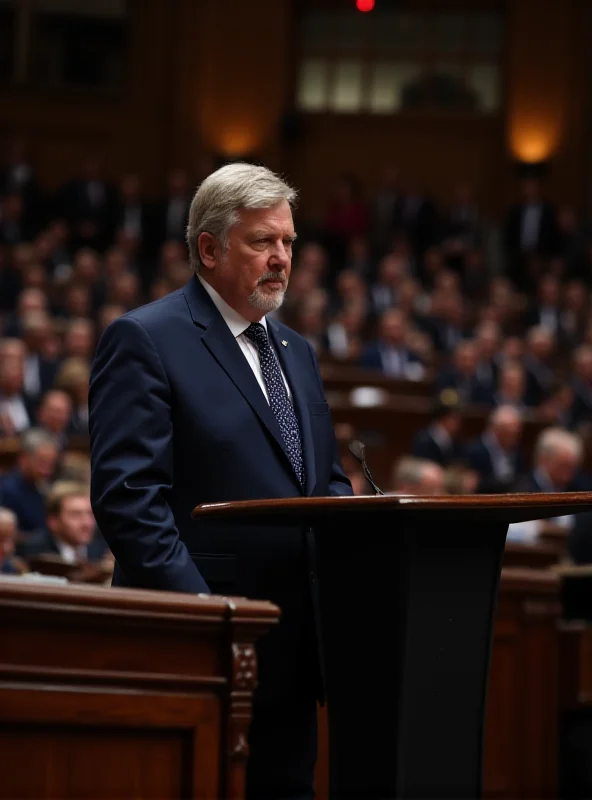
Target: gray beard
x,y
265,302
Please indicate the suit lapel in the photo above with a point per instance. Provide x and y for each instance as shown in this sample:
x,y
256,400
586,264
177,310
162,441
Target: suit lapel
x,y
291,371
226,350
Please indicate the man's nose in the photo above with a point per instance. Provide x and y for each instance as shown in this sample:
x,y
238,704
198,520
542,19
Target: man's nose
x,y
280,256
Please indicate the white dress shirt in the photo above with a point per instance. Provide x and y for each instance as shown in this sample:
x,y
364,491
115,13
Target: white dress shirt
x,y
16,411
69,554
238,325
32,382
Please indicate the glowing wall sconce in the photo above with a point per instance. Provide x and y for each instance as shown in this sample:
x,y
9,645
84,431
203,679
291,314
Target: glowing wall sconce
x,y
533,142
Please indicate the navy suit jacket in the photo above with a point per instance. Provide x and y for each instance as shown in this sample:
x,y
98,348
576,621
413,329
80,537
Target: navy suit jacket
x,y
372,357
479,459
25,500
177,418
426,446
44,542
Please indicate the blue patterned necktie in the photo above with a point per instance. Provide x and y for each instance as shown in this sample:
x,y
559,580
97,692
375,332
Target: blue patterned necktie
x,y
278,397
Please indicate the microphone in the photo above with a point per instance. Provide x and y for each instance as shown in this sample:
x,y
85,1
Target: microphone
x,y
358,451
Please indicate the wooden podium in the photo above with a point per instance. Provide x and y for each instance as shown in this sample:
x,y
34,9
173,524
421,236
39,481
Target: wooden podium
x,y
408,592
121,693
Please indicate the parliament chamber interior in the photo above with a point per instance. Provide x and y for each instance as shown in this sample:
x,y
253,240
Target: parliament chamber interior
x,y
442,275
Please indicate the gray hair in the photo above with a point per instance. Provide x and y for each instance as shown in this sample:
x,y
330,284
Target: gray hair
x,y
223,194
551,440
35,438
504,414
7,516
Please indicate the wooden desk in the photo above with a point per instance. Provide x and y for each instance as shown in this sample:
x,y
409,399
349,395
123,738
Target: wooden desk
x,y
539,555
124,693
346,377
522,717
575,686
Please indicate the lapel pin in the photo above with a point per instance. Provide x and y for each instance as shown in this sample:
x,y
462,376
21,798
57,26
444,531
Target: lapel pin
x,y
284,342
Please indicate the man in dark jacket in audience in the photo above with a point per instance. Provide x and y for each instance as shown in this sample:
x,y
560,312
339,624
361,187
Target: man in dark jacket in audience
x,y
439,441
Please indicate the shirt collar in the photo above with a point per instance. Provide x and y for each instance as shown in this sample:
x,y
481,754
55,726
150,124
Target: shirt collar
x,y
71,554
235,321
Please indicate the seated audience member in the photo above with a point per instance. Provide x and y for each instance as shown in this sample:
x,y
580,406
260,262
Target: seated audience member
x,y
417,476
557,407
511,386
9,563
390,353
392,271
540,347
488,343
79,341
574,314
439,441
310,323
29,300
446,326
496,455
54,414
462,376
13,350
546,310
73,378
71,529
23,490
344,333
350,289
73,467
459,479
39,370
582,385
558,457
16,412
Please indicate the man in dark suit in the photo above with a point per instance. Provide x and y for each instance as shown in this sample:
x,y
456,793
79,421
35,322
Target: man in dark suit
x,y
23,489
390,352
462,376
439,441
496,456
557,459
530,229
71,529
540,374
199,397
581,383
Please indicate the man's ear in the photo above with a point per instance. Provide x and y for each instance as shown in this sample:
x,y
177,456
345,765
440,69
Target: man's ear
x,y
207,247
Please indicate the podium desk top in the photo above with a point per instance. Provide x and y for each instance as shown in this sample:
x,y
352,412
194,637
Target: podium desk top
x,y
478,507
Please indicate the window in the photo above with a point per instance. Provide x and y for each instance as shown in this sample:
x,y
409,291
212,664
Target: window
x,y
64,43
391,61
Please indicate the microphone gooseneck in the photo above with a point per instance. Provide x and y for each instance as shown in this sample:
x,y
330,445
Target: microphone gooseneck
x,y
358,451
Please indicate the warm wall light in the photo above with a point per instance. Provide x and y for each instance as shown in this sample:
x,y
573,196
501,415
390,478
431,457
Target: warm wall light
x,y
232,142
533,142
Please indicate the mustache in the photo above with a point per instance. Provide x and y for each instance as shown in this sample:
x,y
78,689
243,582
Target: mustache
x,y
272,276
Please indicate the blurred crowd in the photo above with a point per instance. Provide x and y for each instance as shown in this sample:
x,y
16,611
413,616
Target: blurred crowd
x,y
494,312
